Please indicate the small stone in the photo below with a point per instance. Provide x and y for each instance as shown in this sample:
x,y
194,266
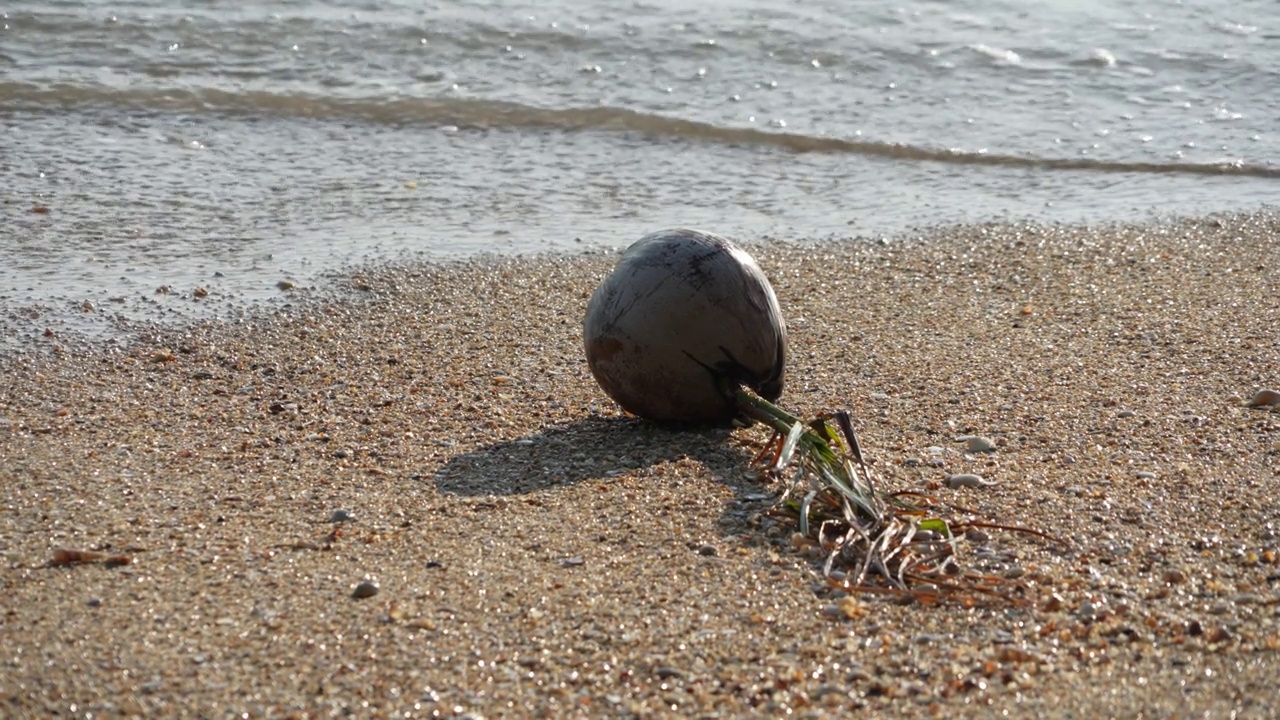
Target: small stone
x,y
968,480
1126,414
978,444
1144,475
341,516
666,672
200,292
1174,576
1087,611
366,589
572,562
851,608
285,285
1264,398
707,549
277,408
94,602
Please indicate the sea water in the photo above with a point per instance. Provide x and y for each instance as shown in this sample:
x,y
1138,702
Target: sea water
x,y
149,149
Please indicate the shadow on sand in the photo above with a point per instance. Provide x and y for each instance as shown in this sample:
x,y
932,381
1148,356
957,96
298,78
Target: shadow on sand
x,y
592,448
598,447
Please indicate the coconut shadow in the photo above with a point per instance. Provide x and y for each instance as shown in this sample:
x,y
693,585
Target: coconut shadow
x,y
594,448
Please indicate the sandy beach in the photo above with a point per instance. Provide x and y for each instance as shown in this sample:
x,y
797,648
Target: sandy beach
x,y
435,431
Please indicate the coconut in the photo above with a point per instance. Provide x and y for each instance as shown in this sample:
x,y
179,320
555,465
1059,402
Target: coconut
x,y
683,315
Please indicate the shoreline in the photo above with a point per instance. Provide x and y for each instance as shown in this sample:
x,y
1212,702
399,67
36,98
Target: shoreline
x,y
98,309
536,551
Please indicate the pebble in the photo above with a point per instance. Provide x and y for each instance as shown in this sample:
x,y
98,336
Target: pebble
x,y
1126,414
285,284
968,480
1144,475
365,589
1087,611
707,549
341,516
977,443
1264,398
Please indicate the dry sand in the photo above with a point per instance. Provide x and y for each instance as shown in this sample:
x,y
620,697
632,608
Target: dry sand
x,y
539,554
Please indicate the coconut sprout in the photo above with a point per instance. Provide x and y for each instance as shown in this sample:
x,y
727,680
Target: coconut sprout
x,y
687,328
874,539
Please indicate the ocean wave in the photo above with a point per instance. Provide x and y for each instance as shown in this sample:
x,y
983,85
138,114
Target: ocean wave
x,y
470,113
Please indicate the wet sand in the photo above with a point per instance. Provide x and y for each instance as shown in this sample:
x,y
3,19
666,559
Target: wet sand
x,y
537,553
